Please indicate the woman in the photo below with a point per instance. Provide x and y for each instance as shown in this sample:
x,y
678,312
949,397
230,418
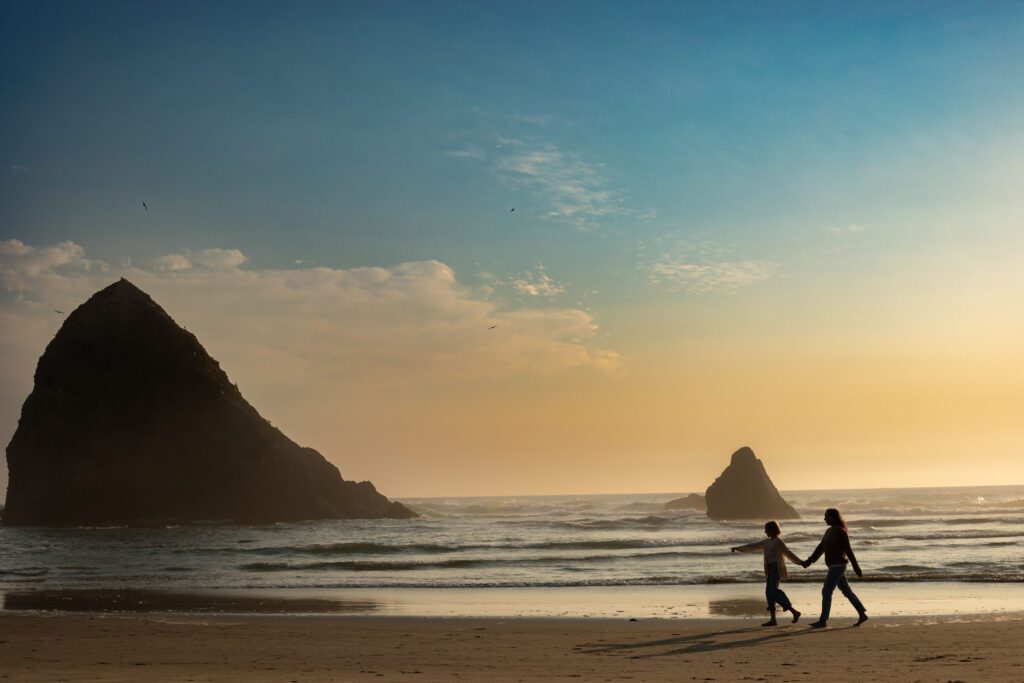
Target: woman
x,y
835,544
775,552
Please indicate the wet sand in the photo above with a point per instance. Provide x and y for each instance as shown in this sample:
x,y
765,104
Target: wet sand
x,y
44,647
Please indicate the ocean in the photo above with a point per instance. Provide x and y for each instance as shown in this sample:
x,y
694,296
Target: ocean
x,y
604,554
970,535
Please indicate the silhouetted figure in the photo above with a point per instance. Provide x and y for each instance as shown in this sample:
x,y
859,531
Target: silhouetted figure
x,y
836,546
775,552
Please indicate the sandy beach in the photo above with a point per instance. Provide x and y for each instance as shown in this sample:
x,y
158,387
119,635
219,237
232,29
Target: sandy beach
x,y
36,647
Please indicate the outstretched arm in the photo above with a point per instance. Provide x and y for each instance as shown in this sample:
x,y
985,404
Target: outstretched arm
x,y
789,553
750,547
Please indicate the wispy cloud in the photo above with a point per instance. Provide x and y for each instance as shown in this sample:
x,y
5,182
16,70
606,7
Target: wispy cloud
x,y
851,229
574,191
466,152
537,283
532,119
844,237
703,267
566,186
23,170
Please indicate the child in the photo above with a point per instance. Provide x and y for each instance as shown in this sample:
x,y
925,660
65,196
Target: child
x,y
775,552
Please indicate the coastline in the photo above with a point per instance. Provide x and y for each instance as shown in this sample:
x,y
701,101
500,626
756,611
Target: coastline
x,y
707,602
36,647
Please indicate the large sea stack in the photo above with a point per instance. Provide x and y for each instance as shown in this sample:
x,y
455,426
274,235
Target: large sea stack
x,y
744,491
131,421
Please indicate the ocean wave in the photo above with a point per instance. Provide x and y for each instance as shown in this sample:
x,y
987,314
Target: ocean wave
x,y
903,568
351,549
342,549
881,523
26,572
755,582
944,535
954,521
623,522
449,509
462,563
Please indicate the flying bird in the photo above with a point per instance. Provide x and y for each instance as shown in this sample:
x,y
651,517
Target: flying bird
x,y
512,209
58,312
492,327
144,206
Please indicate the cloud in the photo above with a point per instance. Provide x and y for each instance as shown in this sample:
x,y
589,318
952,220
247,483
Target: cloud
x,y
409,323
537,284
23,267
703,267
574,191
204,258
563,184
172,262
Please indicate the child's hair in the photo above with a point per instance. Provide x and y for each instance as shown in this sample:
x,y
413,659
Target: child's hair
x,y
836,519
772,528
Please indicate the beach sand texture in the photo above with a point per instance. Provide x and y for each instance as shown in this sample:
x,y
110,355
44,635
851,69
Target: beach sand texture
x,y
338,648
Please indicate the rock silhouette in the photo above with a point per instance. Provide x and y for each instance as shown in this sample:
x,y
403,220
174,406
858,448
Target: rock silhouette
x,y
694,501
131,421
744,491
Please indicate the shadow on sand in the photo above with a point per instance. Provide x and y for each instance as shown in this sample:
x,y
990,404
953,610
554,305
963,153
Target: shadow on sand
x,y
710,642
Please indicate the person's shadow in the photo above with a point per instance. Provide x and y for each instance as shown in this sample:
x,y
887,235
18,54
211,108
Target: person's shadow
x,y
708,642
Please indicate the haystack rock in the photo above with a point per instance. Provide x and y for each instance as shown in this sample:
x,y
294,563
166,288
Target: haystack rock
x,y
694,501
130,420
744,491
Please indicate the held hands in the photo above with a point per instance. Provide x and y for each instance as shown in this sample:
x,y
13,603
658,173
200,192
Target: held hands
x,y
805,564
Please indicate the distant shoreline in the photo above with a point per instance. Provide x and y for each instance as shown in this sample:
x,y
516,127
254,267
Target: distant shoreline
x,y
683,492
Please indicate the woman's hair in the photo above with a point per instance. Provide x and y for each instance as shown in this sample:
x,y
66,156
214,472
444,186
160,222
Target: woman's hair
x,y
772,528
834,518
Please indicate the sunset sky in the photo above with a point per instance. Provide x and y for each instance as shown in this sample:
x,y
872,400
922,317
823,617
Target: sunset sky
x,y
793,226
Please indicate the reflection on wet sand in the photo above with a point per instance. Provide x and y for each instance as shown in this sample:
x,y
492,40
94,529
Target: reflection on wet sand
x,y
162,601
736,607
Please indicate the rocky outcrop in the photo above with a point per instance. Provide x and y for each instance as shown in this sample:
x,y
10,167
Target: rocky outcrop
x,y
130,420
744,491
694,501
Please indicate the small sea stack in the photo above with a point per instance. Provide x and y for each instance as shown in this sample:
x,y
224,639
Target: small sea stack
x,y
131,421
745,491
693,501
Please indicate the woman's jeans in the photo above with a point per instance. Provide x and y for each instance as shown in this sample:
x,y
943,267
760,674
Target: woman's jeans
x,y
837,577
772,591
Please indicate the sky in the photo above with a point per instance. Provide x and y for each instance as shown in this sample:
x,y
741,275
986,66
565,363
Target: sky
x,y
504,248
